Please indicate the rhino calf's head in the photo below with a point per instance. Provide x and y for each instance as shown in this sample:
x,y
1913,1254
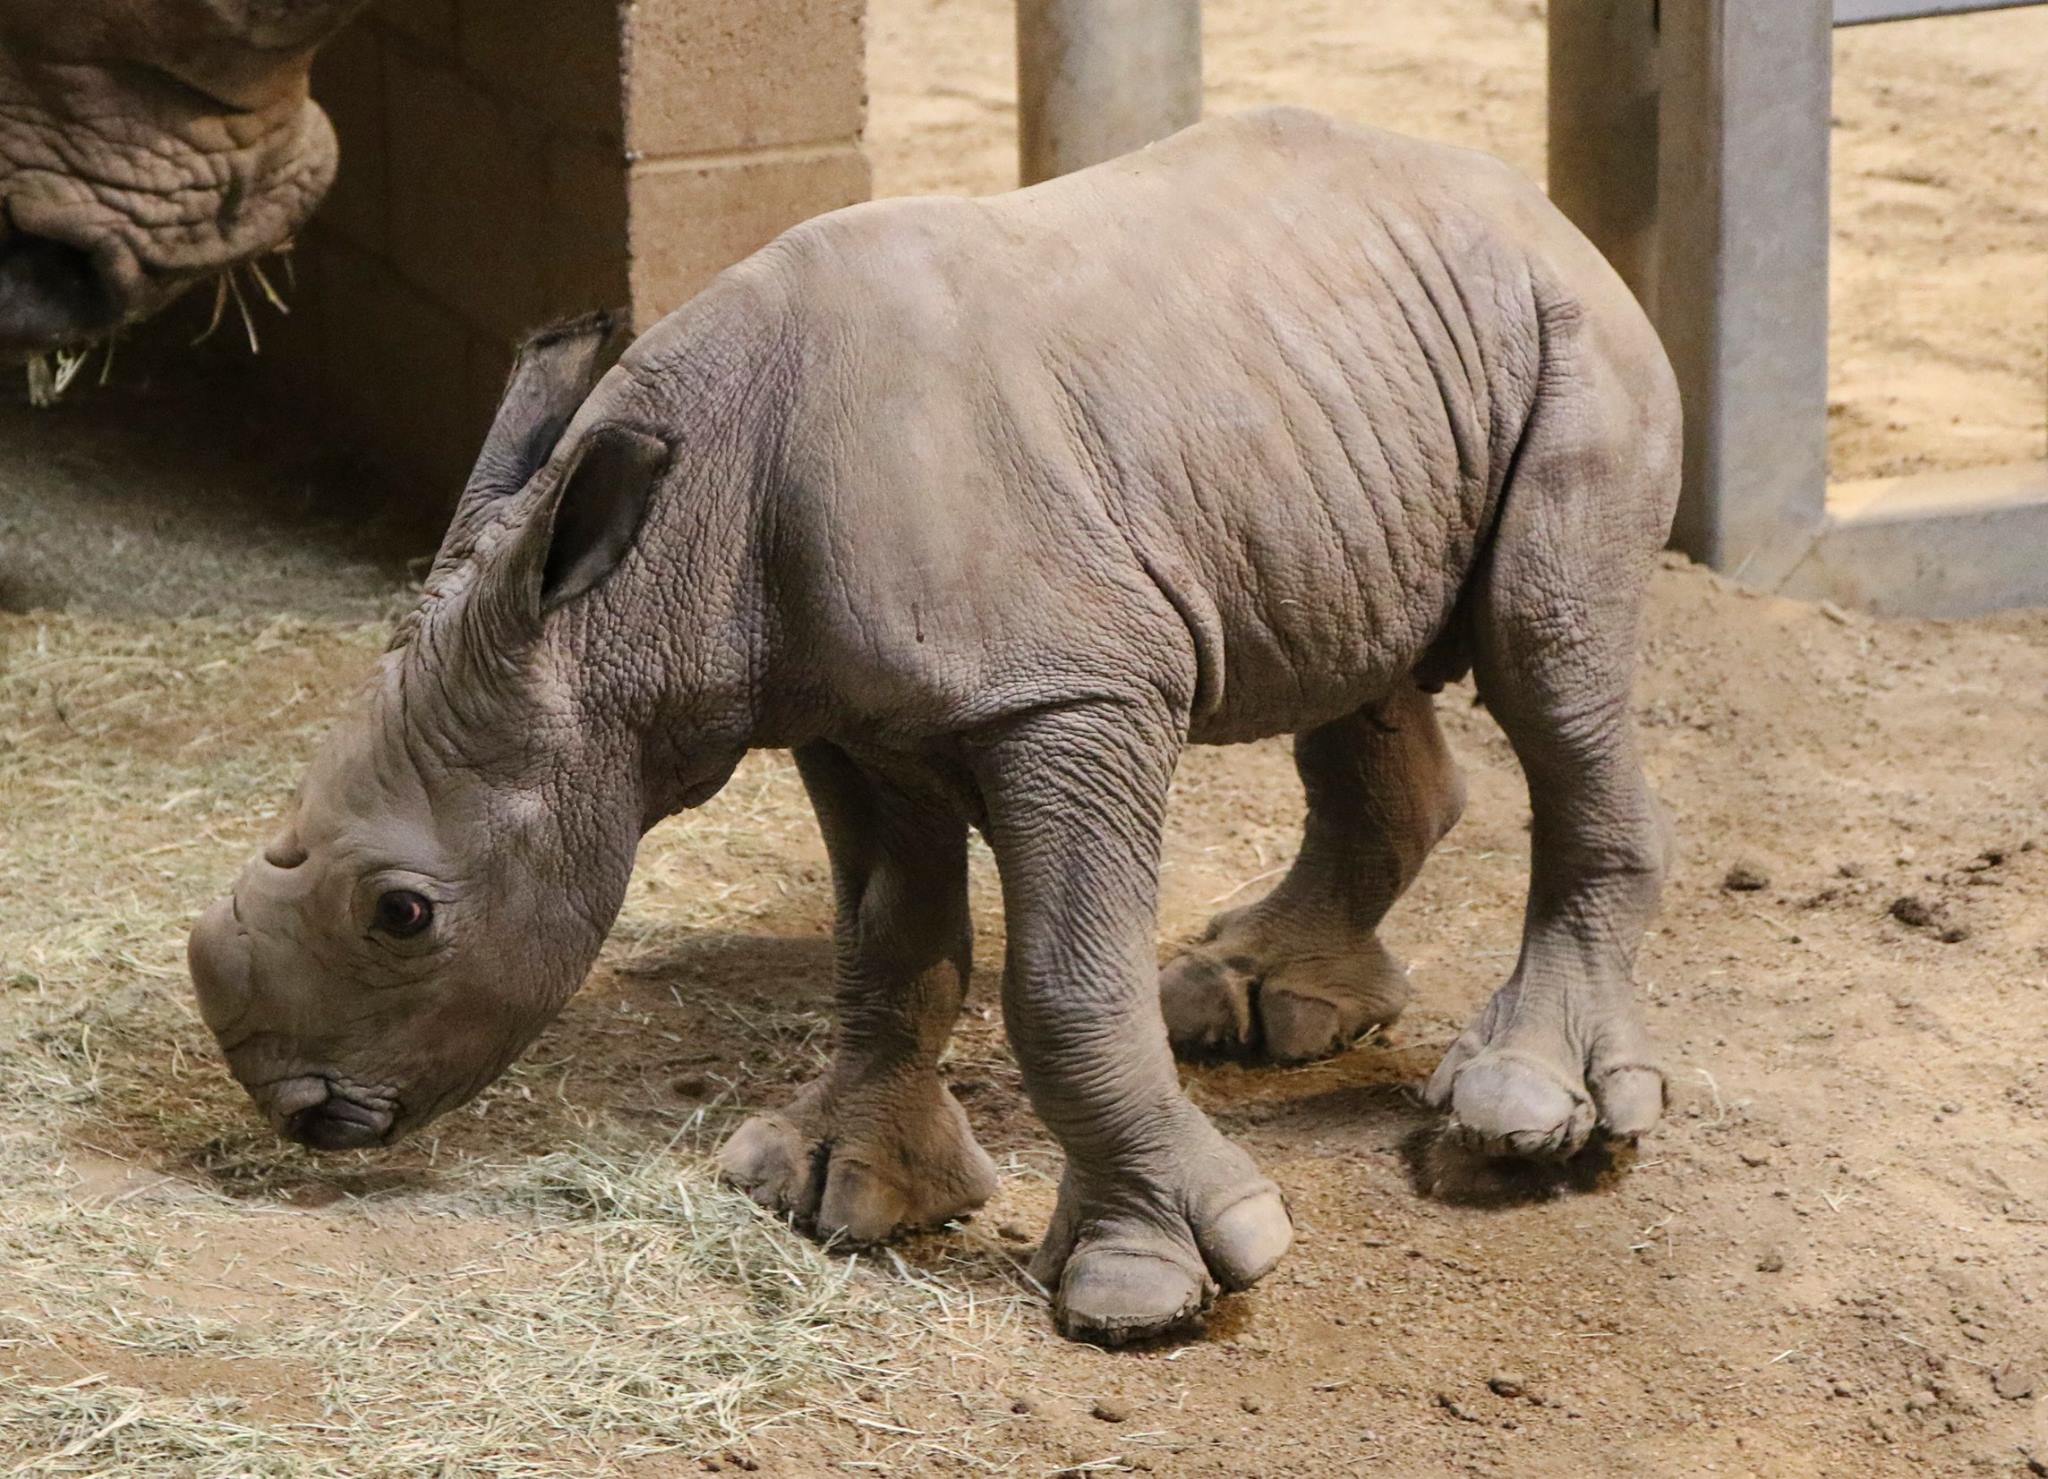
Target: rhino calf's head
x,y
462,842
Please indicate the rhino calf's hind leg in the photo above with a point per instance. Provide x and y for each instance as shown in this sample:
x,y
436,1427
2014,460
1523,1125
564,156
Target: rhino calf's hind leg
x,y
1156,1210
1301,973
1561,1048
877,1143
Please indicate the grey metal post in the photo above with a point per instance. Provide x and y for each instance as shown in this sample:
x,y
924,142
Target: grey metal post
x,y
1603,129
1742,272
1099,78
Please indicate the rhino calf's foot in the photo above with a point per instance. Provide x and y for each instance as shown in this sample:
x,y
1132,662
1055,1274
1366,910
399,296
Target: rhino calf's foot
x,y
877,1144
1561,1050
865,1164
1157,1210
1301,973
1132,1258
1538,1090
1237,994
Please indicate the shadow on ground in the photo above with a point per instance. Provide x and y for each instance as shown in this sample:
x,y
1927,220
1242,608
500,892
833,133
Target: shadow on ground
x,y
197,498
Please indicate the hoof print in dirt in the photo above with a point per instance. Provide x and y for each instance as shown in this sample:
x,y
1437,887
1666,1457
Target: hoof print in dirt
x,y
1446,1166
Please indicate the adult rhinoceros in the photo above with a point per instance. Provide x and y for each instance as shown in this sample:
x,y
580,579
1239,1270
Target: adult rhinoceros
x,y
146,145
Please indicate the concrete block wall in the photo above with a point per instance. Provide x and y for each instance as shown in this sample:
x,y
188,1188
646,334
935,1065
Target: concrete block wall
x,y
509,162
741,119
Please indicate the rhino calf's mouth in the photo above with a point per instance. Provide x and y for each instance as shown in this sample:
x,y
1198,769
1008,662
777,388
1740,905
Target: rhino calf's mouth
x,y
328,1118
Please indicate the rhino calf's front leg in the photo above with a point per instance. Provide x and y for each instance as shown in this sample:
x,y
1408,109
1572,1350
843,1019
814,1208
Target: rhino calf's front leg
x,y
1156,1209
877,1143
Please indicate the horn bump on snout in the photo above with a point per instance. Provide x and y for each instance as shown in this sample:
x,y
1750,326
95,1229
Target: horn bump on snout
x,y
285,851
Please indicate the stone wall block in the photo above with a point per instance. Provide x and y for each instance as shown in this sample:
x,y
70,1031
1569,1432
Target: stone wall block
x,y
468,196
690,220
708,76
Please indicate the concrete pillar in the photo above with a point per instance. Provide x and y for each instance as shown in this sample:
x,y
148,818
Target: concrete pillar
x,y
1099,78
1742,272
1603,129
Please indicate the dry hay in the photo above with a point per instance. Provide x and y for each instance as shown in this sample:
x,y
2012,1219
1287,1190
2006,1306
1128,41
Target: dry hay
x,y
540,1286
622,1309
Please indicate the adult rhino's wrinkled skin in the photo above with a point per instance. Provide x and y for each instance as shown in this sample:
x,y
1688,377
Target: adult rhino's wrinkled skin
x,y
986,509
145,145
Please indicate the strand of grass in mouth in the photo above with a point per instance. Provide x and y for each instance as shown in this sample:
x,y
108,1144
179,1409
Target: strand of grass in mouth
x,y
53,373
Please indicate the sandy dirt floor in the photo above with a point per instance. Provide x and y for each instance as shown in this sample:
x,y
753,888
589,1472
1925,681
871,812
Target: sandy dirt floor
x,y
1940,303
1832,1258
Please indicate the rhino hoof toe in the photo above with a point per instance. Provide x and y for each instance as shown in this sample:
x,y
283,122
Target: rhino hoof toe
x,y
1113,1295
1220,1000
838,1173
1132,1286
1244,1241
1508,1103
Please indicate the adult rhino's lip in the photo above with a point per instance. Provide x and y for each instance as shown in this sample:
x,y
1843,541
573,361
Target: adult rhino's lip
x,y
64,286
51,294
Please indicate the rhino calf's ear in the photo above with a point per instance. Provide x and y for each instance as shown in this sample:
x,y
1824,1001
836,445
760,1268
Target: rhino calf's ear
x,y
599,510
556,369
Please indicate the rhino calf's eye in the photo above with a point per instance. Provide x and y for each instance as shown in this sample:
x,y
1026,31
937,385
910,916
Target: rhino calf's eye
x,y
401,913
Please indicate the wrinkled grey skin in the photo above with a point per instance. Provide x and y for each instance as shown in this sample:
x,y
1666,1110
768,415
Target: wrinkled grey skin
x,y
145,145
986,509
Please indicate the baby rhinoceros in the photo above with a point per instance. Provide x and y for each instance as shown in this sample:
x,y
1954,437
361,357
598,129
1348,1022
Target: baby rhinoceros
x,y
986,508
